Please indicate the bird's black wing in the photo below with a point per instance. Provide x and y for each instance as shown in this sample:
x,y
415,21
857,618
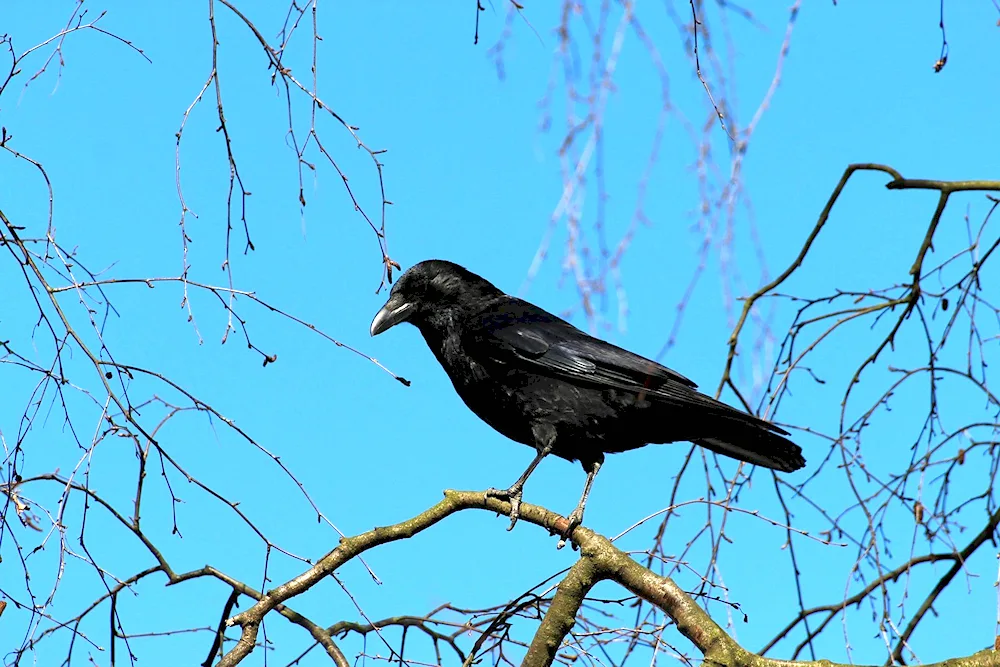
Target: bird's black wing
x,y
513,331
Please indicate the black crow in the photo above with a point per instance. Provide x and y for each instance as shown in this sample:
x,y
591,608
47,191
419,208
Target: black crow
x,y
542,382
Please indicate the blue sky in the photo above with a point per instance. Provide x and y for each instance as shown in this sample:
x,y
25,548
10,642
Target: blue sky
x,y
474,177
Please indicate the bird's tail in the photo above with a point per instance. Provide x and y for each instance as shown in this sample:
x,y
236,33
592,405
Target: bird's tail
x,y
755,441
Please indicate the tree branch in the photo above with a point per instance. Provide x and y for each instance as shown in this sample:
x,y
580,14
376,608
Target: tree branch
x,y
599,560
561,616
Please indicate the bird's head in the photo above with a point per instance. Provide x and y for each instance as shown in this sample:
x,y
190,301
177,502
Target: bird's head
x,y
428,289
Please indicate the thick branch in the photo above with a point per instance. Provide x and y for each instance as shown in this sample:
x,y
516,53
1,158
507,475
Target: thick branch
x,y
561,616
351,547
600,560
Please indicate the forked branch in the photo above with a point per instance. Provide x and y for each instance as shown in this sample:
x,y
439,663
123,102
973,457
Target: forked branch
x,y
599,560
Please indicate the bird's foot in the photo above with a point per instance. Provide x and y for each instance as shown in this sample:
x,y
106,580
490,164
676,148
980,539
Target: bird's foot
x,y
574,519
511,495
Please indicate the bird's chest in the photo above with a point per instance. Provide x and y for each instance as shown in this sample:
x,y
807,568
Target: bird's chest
x,y
490,390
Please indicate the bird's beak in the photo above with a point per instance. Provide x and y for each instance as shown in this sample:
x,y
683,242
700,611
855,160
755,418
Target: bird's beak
x,y
393,312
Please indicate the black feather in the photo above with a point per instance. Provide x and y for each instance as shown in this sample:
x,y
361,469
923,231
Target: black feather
x,y
527,372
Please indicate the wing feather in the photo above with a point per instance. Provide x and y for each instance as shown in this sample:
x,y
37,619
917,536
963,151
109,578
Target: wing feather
x,y
517,331
516,334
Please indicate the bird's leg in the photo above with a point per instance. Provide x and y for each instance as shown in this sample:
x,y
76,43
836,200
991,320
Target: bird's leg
x,y
576,516
516,490
545,434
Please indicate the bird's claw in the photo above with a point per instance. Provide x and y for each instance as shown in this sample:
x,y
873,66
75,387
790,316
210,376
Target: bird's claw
x,y
572,521
515,510
511,495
